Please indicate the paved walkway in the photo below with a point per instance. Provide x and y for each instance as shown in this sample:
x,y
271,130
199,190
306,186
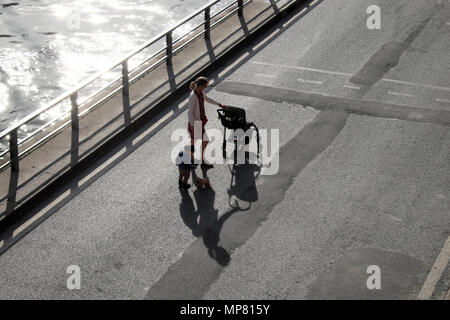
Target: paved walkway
x,y
354,189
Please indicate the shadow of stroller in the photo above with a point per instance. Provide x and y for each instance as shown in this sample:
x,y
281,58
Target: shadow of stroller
x,y
244,186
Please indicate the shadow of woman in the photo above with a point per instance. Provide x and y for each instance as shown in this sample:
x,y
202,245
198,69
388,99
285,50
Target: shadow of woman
x,y
204,221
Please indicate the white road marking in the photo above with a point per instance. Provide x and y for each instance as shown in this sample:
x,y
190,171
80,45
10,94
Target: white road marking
x,y
310,81
400,94
442,100
351,87
417,84
396,218
448,23
265,75
436,272
304,68
337,73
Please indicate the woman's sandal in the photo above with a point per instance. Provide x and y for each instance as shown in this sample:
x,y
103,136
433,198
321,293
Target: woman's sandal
x,y
182,185
185,186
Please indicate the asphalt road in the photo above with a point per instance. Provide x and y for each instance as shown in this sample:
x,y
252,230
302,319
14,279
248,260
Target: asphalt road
x,y
363,179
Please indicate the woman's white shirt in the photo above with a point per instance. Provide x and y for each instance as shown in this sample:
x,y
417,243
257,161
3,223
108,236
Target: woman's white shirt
x,y
194,107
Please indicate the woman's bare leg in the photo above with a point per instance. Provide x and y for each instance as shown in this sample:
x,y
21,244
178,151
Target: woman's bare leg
x,y
204,144
186,176
192,150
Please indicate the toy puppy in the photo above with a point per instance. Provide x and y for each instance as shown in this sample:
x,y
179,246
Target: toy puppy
x,y
204,183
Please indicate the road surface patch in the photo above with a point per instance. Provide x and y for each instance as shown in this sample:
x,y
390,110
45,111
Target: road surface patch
x,y
336,103
347,277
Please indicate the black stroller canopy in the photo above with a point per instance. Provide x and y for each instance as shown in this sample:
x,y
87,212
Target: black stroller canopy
x,y
234,118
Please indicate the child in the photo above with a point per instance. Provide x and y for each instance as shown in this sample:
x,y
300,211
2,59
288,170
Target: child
x,y
185,168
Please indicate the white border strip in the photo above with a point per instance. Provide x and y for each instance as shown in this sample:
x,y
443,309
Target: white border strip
x,y
265,75
436,272
336,73
310,81
442,100
351,87
400,94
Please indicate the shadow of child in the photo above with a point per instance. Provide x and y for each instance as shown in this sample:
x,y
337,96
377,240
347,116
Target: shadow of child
x,y
187,210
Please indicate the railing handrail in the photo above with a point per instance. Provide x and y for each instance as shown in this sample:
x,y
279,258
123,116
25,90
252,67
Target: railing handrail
x,y
97,75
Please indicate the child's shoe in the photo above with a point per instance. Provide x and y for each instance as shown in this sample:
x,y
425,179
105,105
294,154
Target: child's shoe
x,y
185,186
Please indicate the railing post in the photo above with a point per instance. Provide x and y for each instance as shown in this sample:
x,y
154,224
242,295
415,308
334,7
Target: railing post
x,y
126,93
14,150
169,48
14,177
208,23
241,8
75,130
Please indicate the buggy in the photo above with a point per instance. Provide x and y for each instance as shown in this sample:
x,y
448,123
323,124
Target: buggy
x,y
233,118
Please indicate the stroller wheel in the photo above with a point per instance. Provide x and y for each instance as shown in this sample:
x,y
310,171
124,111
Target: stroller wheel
x,y
235,152
224,150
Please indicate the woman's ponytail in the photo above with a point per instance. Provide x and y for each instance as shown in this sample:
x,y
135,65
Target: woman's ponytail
x,y
198,82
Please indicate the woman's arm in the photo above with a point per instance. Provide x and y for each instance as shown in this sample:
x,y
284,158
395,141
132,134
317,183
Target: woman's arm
x,y
212,101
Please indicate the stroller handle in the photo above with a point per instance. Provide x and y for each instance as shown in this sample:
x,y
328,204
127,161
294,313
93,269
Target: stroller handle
x,y
220,112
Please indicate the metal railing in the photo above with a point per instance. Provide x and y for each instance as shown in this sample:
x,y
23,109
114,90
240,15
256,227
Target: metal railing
x,y
12,132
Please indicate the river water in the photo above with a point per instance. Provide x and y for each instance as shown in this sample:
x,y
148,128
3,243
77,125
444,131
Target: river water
x,y
49,46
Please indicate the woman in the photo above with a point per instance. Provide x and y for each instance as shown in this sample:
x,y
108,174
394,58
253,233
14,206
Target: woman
x,y
197,112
